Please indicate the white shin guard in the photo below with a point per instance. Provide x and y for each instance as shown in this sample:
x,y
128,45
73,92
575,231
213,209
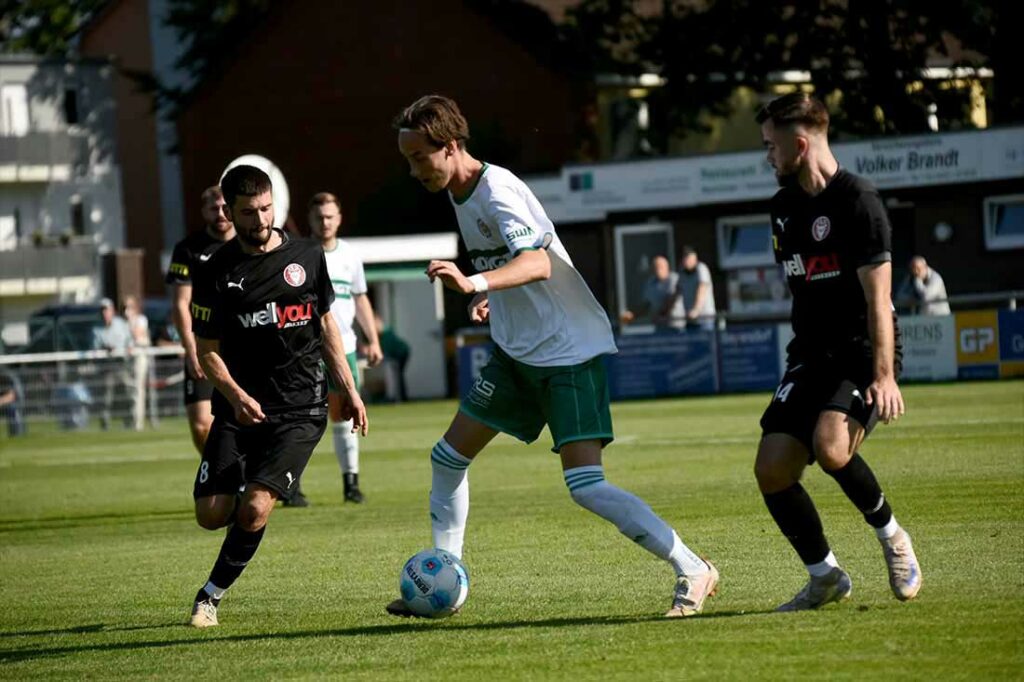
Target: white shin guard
x,y
346,447
449,497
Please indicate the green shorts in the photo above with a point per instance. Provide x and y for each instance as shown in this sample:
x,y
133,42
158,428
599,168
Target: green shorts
x,y
520,399
353,364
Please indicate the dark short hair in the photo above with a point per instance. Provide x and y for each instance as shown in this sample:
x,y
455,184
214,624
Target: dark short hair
x,y
244,181
438,118
688,251
796,108
321,198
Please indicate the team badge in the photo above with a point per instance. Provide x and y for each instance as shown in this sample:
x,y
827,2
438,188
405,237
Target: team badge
x,y
295,274
484,228
820,228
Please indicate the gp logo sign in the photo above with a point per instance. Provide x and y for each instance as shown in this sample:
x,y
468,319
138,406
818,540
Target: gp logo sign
x,y
977,341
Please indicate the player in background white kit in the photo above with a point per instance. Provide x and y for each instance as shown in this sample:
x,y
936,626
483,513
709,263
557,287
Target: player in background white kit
x,y
551,336
350,303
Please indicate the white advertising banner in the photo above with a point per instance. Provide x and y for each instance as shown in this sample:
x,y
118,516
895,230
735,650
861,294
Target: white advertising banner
x,y
589,192
929,347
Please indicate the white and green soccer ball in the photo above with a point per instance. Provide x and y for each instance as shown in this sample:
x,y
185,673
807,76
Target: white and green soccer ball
x,y
434,584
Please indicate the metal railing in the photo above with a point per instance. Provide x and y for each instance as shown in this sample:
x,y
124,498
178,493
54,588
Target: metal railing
x,y
89,389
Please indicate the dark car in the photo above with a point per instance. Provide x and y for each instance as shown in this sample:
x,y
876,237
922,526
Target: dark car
x,y
66,327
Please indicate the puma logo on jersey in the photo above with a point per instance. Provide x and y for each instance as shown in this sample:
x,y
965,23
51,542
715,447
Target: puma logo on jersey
x,y
237,284
205,257
290,479
781,222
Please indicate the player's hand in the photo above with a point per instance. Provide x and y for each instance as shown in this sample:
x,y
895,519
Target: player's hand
x,y
450,276
373,354
627,316
195,370
692,314
247,411
354,409
479,308
885,394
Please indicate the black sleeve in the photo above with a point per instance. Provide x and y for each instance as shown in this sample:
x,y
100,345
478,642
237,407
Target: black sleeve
x,y
180,269
776,232
324,288
872,240
207,317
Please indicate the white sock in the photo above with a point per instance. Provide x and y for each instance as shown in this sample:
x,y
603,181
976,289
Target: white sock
x,y
823,567
449,497
633,517
888,530
214,591
346,447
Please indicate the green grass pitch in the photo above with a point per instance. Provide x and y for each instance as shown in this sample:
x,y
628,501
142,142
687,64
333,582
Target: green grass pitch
x,y
100,557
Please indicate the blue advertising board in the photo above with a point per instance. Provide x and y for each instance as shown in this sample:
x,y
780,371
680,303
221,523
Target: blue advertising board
x,y
471,359
669,363
748,358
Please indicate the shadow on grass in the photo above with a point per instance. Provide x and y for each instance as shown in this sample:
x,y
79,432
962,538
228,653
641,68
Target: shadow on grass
x,y
60,522
411,626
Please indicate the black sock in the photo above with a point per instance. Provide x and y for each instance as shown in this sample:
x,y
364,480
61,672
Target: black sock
x,y
859,483
798,520
203,595
236,552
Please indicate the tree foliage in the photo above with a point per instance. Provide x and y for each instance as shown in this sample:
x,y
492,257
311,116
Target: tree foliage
x,y
43,27
869,53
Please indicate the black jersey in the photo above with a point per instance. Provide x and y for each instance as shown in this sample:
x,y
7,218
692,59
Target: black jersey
x,y
188,254
265,310
821,241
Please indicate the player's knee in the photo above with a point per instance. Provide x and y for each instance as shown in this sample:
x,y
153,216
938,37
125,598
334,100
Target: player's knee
x,y
772,475
212,518
830,453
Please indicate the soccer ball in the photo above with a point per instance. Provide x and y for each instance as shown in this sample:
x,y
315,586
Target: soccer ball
x,y
434,584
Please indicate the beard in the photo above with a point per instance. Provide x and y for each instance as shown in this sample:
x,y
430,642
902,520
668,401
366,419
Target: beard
x,y
255,237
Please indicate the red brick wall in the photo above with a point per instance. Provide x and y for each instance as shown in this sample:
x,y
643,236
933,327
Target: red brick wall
x,y
317,89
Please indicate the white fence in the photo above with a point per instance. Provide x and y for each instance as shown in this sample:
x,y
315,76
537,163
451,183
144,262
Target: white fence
x,y
92,389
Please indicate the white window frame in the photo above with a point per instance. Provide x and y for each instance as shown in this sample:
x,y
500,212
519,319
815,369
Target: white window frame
x,y
993,241
622,231
728,261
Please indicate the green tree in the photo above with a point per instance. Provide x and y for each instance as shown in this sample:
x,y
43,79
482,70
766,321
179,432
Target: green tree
x,y
867,54
43,27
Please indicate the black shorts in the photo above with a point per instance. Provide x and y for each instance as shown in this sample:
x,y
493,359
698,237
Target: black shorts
x,y
273,454
197,390
812,387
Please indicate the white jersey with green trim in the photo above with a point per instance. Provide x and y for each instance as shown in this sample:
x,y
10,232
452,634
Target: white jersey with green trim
x,y
348,279
548,323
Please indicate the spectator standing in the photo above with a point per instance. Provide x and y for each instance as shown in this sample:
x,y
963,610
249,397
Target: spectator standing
x,y
923,289
115,337
696,290
138,324
660,303
12,401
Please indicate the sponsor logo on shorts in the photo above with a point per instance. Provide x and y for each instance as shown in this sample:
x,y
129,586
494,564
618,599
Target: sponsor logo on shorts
x,y
282,317
295,274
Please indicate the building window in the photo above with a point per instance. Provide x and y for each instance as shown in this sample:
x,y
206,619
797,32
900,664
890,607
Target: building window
x,y
744,241
77,216
635,247
1004,222
14,110
71,106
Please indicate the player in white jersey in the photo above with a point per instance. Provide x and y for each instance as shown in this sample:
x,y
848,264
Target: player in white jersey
x,y
548,366
350,304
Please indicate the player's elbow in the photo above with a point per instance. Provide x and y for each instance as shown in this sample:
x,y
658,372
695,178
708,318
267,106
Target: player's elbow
x,y
542,266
